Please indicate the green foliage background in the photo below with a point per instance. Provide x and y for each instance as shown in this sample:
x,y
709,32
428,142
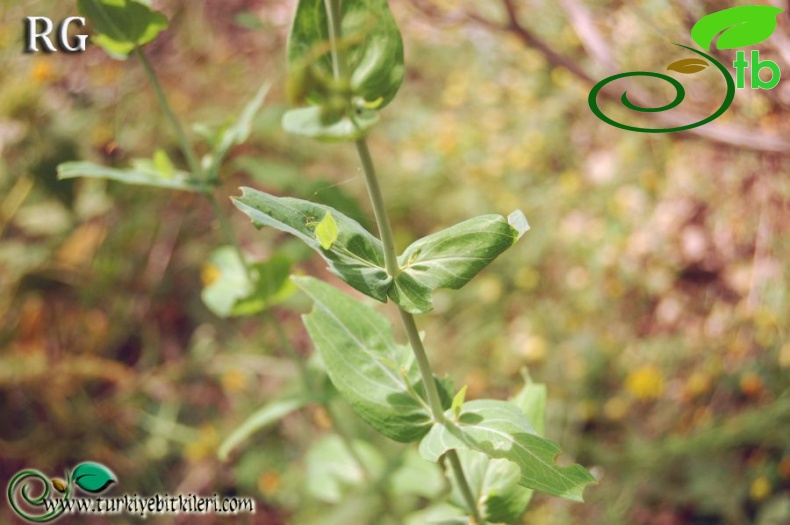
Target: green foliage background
x,y
651,293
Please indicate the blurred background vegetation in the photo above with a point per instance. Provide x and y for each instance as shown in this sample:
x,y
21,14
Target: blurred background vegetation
x,y
651,294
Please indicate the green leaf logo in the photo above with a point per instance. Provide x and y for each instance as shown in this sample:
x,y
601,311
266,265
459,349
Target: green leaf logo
x,y
688,66
93,477
739,26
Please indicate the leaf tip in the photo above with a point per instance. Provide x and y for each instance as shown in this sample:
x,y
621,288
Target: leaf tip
x,y
518,221
458,402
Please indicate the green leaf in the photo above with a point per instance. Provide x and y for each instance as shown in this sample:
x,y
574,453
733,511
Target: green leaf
x,y
501,431
93,477
225,281
444,385
371,43
307,122
332,470
742,26
452,257
326,231
532,401
375,375
356,256
495,482
329,193
495,485
439,514
163,164
238,132
228,291
458,401
284,178
416,477
264,416
122,24
143,173
273,286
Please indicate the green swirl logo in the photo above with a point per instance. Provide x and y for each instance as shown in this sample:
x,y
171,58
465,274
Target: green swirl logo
x,y
731,28
90,477
19,486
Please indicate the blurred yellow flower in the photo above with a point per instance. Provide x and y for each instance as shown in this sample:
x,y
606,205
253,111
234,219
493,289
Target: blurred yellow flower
x,y
234,380
644,383
697,384
42,71
269,482
760,489
209,274
751,384
204,446
321,418
534,349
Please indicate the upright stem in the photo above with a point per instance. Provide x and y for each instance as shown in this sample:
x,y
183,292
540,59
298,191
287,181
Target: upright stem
x,y
186,148
393,268
379,210
391,263
463,484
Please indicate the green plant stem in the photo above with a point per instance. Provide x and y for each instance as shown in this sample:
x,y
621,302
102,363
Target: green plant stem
x,y
391,262
186,148
392,267
379,210
463,484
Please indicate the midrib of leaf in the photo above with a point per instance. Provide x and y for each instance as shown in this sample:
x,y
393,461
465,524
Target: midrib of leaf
x,y
470,441
298,212
398,378
342,247
437,262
